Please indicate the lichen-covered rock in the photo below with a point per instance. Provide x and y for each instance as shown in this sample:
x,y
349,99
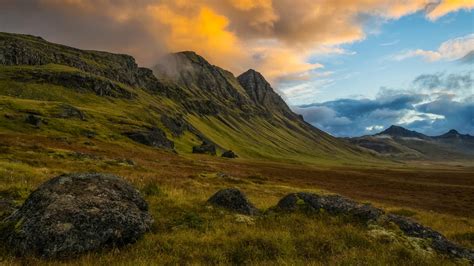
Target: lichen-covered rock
x,y
438,241
205,148
333,204
75,213
229,154
155,138
234,200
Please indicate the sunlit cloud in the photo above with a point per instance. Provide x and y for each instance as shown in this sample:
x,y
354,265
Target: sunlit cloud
x,y
450,50
275,37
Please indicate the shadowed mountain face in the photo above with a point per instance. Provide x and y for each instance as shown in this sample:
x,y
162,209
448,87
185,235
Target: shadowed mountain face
x,y
262,94
402,143
183,102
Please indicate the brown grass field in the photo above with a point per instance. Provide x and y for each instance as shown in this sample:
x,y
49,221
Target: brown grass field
x,y
440,195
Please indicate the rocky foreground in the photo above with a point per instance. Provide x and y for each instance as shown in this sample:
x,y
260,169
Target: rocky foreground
x,y
77,213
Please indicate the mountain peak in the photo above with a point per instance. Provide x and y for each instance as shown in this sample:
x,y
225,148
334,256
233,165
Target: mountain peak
x,y
454,134
398,131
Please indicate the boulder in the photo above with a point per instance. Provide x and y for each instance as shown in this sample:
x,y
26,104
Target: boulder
x,y
154,138
438,241
205,148
229,154
233,200
33,120
75,213
333,204
69,111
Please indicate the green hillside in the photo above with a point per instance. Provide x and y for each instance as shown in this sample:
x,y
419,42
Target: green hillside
x,y
116,97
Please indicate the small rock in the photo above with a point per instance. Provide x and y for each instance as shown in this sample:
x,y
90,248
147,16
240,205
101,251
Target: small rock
x,y
69,111
234,200
205,148
229,154
76,213
33,120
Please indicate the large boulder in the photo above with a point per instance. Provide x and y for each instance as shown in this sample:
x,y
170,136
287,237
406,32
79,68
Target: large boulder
x,y
154,138
438,241
333,204
234,200
75,213
205,148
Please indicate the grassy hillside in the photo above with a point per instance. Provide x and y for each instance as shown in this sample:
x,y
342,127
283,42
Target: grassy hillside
x,y
117,96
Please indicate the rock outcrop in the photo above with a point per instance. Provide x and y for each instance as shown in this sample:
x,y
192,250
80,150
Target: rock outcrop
x,y
233,200
438,241
154,138
229,154
263,95
333,204
75,213
33,120
206,147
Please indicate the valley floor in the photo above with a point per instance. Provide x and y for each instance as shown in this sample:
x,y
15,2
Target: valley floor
x,y
187,231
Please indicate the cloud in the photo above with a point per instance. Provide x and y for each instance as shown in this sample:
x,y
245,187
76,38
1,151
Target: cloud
x,y
417,109
236,34
454,49
447,6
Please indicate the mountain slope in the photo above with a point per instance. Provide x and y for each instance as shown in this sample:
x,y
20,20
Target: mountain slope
x,y
183,101
402,143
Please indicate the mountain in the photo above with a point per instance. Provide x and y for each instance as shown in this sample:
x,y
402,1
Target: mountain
x,y
401,143
400,132
64,92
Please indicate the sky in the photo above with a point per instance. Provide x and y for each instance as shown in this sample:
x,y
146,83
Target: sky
x,y
351,67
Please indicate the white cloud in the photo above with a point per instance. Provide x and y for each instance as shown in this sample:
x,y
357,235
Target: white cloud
x,y
450,50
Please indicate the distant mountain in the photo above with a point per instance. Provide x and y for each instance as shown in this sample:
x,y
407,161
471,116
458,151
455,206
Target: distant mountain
x,y
179,104
401,143
454,134
401,132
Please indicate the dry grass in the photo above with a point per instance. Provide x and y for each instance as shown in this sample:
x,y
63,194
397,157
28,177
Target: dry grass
x,y
187,231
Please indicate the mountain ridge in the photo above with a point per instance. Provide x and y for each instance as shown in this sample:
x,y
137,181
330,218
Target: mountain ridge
x,y
184,92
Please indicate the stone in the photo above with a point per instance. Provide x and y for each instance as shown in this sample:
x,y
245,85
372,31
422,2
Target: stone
x,y
229,154
33,120
154,138
438,241
76,213
205,148
69,111
234,200
333,204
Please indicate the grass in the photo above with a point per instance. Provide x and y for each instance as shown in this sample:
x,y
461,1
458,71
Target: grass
x,y
188,231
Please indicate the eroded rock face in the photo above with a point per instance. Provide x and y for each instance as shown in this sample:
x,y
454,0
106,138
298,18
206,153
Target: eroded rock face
x,y
439,242
68,111
233,200
333,204
75,213
155,138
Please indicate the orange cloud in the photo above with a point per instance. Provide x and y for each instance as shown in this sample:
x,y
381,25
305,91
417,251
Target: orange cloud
x,y
274,36
447,6
204,32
